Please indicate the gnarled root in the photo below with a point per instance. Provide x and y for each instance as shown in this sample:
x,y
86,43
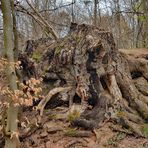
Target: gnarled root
x,y
113,83
51,93
128,101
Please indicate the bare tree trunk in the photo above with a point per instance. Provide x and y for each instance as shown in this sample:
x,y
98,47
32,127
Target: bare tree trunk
x,y
145,23
11,129
117,22
139,31
95,12
72,13
14,31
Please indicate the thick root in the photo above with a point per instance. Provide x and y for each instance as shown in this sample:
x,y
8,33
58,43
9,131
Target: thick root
x,y
51,93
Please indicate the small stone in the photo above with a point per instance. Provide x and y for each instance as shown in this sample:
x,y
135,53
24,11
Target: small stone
x,y
43,134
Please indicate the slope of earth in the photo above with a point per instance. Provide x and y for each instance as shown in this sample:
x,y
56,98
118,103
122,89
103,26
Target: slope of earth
x,y
56,132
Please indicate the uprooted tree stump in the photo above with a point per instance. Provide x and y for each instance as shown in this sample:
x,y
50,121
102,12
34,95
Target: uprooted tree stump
x,y
88,61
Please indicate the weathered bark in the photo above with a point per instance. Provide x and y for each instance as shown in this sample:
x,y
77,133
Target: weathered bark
x,y
95,13
88,61
14,31
11,127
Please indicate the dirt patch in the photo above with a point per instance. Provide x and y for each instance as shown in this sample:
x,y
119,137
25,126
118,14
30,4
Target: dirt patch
x,y
58,133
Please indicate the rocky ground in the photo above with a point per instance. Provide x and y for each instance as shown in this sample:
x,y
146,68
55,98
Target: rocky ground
x,y
57,133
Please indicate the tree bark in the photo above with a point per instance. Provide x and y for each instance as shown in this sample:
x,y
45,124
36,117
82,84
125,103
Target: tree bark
x,y
11,128
14,31
145,23
95,12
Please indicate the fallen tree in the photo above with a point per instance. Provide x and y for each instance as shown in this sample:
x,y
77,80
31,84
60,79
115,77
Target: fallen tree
x,y
88,61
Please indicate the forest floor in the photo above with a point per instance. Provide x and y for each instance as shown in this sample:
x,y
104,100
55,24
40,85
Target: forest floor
x,y
56,132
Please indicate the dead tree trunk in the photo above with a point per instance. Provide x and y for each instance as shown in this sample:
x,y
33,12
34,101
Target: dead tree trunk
x,y
88,61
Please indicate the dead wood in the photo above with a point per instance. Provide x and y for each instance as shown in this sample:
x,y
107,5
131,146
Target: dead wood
x,y
77,133
88,61
51,93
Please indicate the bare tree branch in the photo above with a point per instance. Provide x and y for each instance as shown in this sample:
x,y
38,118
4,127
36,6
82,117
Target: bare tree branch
x,y
58,7
135,12
25,11
48,26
